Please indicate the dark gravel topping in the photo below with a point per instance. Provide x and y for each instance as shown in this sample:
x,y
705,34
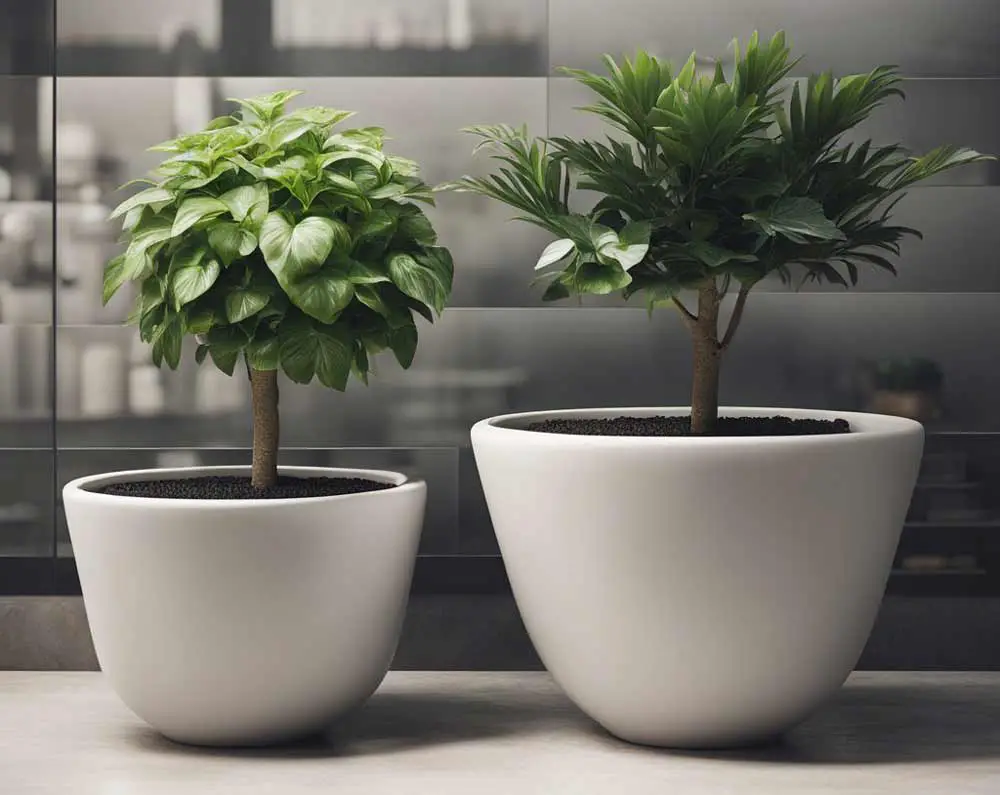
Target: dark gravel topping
x,y
219,487
681,426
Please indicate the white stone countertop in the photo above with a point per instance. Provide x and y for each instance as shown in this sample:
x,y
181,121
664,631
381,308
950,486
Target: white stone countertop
x,y
507,734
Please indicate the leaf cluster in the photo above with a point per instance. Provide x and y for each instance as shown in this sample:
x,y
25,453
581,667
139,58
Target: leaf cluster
x,y
275,237
712,179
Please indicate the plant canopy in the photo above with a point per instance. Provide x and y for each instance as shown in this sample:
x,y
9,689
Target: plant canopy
x,y
281,239
711,184
270,235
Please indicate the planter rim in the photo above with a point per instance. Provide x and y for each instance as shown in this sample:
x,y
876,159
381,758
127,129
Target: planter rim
x,y
82,488
863,425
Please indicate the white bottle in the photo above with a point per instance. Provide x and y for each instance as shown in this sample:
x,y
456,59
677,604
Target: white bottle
x,y
459,24
390,33
103,384
145,391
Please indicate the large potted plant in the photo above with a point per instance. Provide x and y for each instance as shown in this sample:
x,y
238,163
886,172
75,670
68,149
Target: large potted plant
x,y
700,576
253,604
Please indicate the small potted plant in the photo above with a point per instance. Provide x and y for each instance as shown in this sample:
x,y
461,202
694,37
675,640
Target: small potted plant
x,y
249,605
907,388
700,576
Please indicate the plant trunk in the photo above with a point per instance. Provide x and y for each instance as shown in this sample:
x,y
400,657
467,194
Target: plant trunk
x,y
266,429
707,361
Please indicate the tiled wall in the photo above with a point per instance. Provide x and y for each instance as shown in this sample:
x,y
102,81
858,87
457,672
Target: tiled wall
x,y
74,397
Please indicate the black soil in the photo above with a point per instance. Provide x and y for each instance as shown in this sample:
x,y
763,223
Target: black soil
x,y
681,426
240,488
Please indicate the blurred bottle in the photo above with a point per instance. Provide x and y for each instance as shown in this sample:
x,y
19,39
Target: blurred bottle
x,y
193,91
76,159
103,380
390,29
460,33
427,24
145,385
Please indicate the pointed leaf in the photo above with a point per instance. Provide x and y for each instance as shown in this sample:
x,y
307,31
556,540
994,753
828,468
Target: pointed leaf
x,y
246,200
242,304
403,341
231,242
797,218
142,199
114,278
417,281
554,252
194,210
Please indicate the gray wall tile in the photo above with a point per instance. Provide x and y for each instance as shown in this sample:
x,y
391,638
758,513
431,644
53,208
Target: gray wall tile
x,y
302,37
26,503
25,386
924,37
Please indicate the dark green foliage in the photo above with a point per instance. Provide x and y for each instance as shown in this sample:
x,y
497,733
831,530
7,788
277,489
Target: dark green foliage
x,y
272,237
717,181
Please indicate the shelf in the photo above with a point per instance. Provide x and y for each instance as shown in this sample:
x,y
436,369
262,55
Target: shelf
x,y
939,573
486,59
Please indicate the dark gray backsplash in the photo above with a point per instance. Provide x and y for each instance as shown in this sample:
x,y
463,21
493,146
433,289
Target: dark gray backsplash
x,y
76,391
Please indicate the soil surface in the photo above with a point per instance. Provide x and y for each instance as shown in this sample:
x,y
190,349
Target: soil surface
x,y
219,487
681,426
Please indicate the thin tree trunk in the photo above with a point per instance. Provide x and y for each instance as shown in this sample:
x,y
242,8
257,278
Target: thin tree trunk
x,y
707,361
266,429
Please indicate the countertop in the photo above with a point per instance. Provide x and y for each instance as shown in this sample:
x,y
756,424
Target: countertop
x,y
509,733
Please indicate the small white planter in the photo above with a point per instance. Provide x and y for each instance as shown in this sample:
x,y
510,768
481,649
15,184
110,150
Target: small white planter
x,y
244,622
698,592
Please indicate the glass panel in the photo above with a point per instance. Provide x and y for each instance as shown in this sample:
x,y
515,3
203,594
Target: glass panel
x,y
924,37
158,37
26,503
409,37
302,37
26,37
26,269
437,466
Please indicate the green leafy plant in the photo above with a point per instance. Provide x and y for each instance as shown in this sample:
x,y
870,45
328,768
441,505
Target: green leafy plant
x,y
713,184
279,239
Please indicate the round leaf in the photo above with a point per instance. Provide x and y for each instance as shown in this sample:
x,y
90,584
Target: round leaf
x,y
294,251
323,295
193,280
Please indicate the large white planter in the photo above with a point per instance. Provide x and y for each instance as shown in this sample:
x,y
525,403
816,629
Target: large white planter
x,y
245,622
698,592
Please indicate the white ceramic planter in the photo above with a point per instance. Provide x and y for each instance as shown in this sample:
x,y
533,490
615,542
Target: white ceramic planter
x,y
698,592
245,622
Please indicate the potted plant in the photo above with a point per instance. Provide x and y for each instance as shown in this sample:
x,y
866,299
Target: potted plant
x,y
248,605
907,388
700,576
